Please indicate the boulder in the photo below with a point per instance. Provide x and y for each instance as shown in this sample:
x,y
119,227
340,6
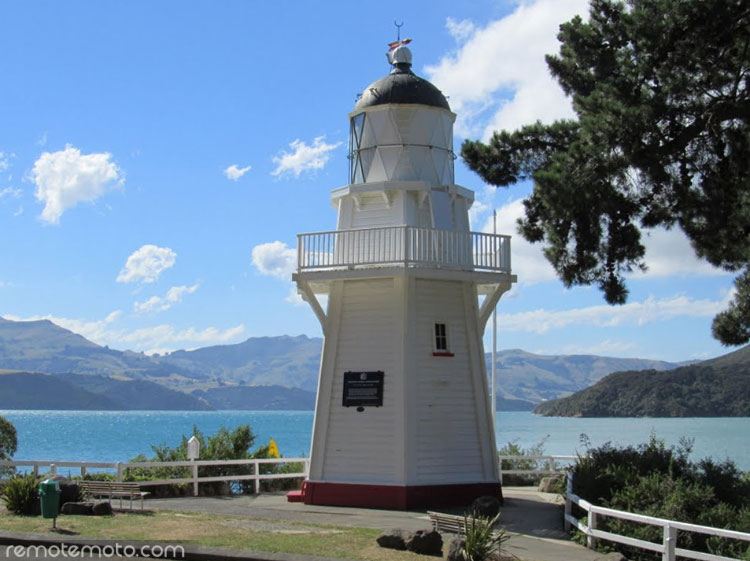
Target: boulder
x,y
613,556
485,506
69,492
456,549
550,484
425,542
393,539
102,508
84,508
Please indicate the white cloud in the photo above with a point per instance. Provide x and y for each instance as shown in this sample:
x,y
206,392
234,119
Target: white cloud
x,y
303,157
147,263
158,304
651,310
163,337
5,161
668,252
65,178
275,259
498,78
11,193
234,172
459,30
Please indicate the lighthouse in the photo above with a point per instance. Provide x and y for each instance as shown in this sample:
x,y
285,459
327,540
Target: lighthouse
x,y
403,290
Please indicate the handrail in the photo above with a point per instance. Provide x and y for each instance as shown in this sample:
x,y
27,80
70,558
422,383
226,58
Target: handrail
x,y
195,479
668,548
403,246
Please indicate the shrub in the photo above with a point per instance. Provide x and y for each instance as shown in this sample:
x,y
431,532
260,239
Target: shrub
x,y
21,494
513,449
8,444
657,481
483,541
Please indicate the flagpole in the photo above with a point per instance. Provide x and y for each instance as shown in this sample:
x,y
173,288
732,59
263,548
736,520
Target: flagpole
x,y
494,345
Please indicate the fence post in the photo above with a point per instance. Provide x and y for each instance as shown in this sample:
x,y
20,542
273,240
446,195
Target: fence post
x,y
119,472
195,480
591,540
568,502
670,543
83,472
551,465
52,469
256,471
36,470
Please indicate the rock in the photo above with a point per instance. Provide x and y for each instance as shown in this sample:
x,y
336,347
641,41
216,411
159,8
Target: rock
x,y
69,492
102,508
394,539
456,549
485,506
425,542
613,556
84,508
550,484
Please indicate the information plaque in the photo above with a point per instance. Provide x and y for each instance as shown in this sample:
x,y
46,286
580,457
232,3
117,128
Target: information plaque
x,y
363,389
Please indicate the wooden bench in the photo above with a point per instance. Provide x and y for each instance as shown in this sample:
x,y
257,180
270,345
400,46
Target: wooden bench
x,y
450,523
114,489
447,522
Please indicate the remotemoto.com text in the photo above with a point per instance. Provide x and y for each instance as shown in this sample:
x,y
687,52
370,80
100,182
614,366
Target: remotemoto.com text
x,y
73,551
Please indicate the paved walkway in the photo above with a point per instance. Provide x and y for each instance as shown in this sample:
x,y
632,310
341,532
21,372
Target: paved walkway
x,y
534,519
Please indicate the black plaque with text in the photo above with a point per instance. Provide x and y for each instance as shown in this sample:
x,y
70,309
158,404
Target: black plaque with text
x,y
363,389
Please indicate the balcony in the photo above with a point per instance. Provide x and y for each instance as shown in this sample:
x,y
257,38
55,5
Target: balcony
x,y
403,246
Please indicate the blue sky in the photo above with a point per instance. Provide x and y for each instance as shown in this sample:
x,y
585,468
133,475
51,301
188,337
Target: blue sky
x,y
158,160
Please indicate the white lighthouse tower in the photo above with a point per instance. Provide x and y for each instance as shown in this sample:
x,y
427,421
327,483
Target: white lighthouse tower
x,y
403,416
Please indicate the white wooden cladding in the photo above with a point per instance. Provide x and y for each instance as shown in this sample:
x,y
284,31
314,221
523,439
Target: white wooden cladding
x,y
360,445
406,246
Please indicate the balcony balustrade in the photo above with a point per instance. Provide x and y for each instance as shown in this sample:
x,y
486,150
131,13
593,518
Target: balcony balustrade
x,y
403,246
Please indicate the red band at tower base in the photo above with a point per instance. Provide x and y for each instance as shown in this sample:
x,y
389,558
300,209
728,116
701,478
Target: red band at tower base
x,y
397,497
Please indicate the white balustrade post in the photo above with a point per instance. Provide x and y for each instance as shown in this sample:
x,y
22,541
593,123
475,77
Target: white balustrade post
x,y
256,471
551,465
195,479
83,472
52,469
119,472
591,540
670,543
568,502
36,470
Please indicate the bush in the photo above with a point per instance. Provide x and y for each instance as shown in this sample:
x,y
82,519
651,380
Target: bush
x,y
513,449
224,445
8,445
21,494
483,541
657,481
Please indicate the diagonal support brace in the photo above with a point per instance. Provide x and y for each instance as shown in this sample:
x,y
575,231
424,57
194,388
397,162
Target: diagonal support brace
x,y
490,301
309,296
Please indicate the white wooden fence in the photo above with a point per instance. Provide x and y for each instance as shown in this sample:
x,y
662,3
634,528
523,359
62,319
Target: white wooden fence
x,y
667,548
542,465
121,468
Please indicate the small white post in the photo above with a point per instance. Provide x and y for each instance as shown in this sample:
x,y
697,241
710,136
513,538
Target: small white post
x,y
256,470
52,469
83,471
568,502
36,470
591,540
119,472
670,543
193,452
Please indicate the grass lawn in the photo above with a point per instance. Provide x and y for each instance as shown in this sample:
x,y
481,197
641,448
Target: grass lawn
x,y
219,531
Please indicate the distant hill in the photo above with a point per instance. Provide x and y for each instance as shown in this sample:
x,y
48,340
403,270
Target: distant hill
x,y
30,390
258,398
524,379
714,388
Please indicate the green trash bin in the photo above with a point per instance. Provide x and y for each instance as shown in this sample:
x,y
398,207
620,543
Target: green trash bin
x,y
49,495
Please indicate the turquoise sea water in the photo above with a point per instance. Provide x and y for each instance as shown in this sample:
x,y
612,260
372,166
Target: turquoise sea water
x,y
111,436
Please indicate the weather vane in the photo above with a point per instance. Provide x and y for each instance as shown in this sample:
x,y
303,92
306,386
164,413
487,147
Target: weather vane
x,y
398,42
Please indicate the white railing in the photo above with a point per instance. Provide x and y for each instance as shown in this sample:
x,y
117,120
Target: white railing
x,y
668,548
121,470
542,465
403,246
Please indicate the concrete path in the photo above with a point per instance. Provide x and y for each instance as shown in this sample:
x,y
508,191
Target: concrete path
x,y
534,519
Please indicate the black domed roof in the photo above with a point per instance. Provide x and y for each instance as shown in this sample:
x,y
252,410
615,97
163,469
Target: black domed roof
x,y
402,86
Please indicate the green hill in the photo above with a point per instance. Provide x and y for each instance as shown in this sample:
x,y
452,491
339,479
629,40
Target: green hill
x,y
31,390
714,388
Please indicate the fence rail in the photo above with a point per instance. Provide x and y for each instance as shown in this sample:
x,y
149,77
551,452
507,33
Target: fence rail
x,y
403,246
121,469
667,548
